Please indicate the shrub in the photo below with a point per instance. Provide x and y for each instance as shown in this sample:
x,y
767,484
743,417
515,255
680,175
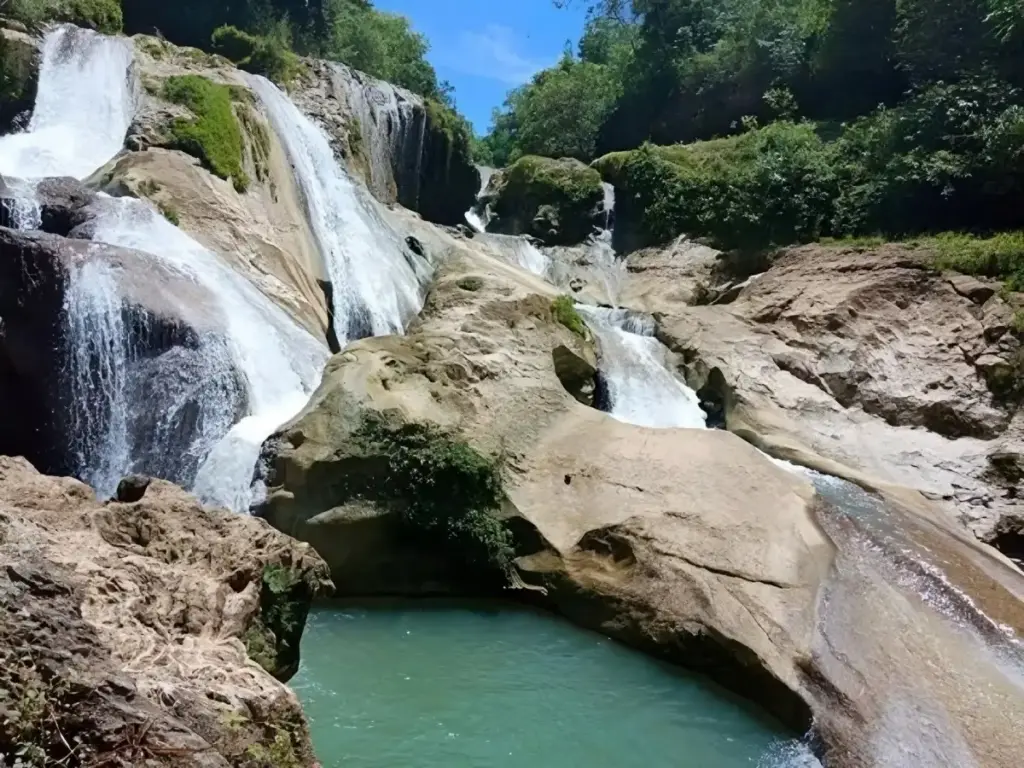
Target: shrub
x,y
270,56
214,135
447,492
564,310
1000,256
101,15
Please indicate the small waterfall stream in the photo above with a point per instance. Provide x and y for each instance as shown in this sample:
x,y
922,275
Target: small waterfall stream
x,y
84,106
378,285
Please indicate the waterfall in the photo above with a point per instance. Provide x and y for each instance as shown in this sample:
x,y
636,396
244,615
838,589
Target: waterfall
x,y
377,286
479,215
280,362
641,389
84,105
98,355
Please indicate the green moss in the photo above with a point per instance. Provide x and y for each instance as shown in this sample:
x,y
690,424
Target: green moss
x,y
278,752
447,492
1017,324
214,135
259,140
170,213
564,310
554,200
152,46
18,77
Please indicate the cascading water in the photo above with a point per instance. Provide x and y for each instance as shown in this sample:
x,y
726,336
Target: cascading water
x,y
377,285
279,361
640,388
98,354
84,106
479,215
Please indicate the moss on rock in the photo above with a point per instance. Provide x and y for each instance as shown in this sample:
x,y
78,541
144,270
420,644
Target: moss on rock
x,y
272,640
449,181
19,75
102,15
214,136
558,201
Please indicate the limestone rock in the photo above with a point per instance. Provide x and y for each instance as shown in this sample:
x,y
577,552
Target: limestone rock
x,y
560,202
127,624
868,361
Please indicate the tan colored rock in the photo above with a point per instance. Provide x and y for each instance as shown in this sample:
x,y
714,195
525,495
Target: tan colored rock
x,y
661,279
125,624
866,364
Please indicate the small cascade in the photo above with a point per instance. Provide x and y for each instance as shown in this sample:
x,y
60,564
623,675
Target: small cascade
x,y
480,214
518,251
378,286
280,362
640,388
21,210
84,106
98,355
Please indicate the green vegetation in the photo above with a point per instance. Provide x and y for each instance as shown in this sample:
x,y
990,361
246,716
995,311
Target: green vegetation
x,y
1000,256
214,135
170,213
102,15
554,200
272,640
259,140
447,493
564,310
264,36
268,55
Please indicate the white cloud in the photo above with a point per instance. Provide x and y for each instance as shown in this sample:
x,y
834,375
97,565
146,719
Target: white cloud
x,y
492,53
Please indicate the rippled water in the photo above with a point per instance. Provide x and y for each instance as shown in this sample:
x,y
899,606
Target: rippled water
x,y
387,686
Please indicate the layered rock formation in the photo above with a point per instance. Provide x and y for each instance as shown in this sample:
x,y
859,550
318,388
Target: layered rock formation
x,y
866,363
128,631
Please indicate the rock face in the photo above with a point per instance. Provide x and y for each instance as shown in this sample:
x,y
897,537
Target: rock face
x,y
647,535
408,150
124,629
164,314
558,201
869,360
262,233
19,76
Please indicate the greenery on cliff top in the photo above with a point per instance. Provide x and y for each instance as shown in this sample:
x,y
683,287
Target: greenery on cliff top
x,y
102,15
756,124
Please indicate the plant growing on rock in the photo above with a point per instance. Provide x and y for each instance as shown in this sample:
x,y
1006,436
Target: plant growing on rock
x,y
214,136
445,490
564,310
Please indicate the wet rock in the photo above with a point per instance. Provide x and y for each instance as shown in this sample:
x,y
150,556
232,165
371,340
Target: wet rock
x,y
132,488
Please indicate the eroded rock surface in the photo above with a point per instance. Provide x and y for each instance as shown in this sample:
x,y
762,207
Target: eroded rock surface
x,y
870,360
126,629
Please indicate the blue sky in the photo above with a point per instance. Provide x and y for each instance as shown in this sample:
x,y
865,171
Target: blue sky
x,y
487,47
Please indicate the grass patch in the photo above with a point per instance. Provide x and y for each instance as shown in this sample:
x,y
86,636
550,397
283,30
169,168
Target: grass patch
x,y
1000,256
102,15
170,213
564,310
446,491
214,136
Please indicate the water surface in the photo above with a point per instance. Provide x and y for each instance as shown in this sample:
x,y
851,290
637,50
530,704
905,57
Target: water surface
x,y
439,686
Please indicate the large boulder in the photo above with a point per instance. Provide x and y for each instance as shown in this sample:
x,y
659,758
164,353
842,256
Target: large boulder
x,y
146,632
19,76
561,202
869,364
52,288
408,149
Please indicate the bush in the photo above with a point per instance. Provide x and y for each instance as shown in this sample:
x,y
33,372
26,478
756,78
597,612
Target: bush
x,y
770,186
555,200
101,15
448,492
564,310
214,135
270,56
1000,256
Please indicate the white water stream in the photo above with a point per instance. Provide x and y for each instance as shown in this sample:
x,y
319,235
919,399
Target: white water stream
x,y
378,285
84,106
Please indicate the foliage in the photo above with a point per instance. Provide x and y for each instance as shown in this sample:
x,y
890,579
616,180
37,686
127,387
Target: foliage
x,y
214,135
267,55
564,310
272,639
449,493
102,15
170,213
1000,256
772,185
